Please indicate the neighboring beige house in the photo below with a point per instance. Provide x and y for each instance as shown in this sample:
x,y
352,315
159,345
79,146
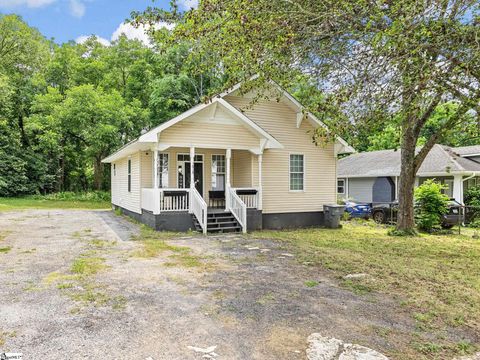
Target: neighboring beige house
x,y
254,167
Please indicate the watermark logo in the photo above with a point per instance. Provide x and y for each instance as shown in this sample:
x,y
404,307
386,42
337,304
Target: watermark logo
x,y
11,356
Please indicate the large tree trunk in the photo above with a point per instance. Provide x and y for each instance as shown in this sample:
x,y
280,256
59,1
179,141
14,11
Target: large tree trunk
x,y
406,220
98,173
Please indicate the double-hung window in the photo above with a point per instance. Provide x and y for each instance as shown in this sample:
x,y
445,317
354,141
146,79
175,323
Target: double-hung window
x,y
341,186
297,172
218,172
129,175
162,170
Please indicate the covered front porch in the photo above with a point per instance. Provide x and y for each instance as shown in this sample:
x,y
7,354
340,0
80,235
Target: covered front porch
x,y
221,179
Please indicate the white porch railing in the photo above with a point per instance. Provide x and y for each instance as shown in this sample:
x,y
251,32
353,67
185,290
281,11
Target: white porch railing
x,y
174,199
165,199
250,196
238,208
199,209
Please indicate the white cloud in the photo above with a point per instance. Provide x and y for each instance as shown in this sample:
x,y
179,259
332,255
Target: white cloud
x,y
129,31
188,4
138,33
83,38
77,8
28,3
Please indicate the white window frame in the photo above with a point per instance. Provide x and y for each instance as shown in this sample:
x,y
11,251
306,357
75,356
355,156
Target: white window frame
x,y
290,172
343,186
182,162
161,184
215,173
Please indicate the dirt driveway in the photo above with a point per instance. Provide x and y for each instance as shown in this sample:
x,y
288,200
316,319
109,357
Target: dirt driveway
x,y
73,288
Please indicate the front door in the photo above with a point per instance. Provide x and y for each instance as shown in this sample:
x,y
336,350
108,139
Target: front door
x,y
198,173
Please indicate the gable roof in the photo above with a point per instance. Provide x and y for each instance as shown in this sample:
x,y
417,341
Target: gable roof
x,y
466,151
440,160
301,113
146,140
272,143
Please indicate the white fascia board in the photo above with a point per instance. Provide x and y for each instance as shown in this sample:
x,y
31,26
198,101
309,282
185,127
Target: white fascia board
x,y
127,150
451,173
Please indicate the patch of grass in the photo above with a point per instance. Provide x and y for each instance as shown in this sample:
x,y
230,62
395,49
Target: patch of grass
x,y
311,283
38,202
119,302
5,249
357,287
428,348
428,273
4,335
87,292
99,243
88,265
266,298
154,243
465,347
55,277
30,251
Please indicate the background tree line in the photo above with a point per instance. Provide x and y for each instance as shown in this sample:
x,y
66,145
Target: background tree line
x,y
65,107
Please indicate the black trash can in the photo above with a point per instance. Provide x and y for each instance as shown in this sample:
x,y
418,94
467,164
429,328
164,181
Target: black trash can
x,y
333,214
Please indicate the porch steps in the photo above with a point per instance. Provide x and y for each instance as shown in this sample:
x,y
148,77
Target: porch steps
x,y
219,222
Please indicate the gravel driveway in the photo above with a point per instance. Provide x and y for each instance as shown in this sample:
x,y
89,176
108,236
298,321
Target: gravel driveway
x,y
251,300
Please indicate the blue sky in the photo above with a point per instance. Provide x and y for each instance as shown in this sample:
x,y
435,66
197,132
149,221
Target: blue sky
x,y
66,20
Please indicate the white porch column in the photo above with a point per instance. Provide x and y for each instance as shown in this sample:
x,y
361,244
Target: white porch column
x,y
228,156
458,188
347,187
192,167
260,189
155,169
192,177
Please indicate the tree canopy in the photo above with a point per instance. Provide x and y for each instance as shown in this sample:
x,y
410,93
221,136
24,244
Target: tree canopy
x,y
65,107
375,64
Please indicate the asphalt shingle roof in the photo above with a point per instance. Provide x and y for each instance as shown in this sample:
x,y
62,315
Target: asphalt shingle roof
x,y
441,159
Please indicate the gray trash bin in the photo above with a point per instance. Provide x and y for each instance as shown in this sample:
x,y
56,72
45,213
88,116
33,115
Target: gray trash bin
x,y
333,213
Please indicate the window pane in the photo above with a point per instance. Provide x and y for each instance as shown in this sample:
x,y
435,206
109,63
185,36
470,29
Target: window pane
x,y
296,181
162,170
218,182
296,172
218,172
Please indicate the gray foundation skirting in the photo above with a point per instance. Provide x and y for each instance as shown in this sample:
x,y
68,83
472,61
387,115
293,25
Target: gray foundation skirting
x,y
256,220
293,220
170,221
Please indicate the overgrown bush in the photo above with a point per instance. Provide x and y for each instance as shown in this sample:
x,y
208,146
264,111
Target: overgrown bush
x,y
472,201
91,196
430,205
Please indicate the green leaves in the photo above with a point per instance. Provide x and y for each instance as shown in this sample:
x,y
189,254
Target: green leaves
x,y
431,204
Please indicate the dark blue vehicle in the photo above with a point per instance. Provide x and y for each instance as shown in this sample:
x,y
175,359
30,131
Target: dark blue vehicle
x,y
356,210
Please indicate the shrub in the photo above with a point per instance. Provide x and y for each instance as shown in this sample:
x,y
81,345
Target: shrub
x,y
431,204
91,196
472,200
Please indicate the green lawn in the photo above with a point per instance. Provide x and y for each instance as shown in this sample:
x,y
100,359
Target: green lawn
x,y
24,203
435,277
